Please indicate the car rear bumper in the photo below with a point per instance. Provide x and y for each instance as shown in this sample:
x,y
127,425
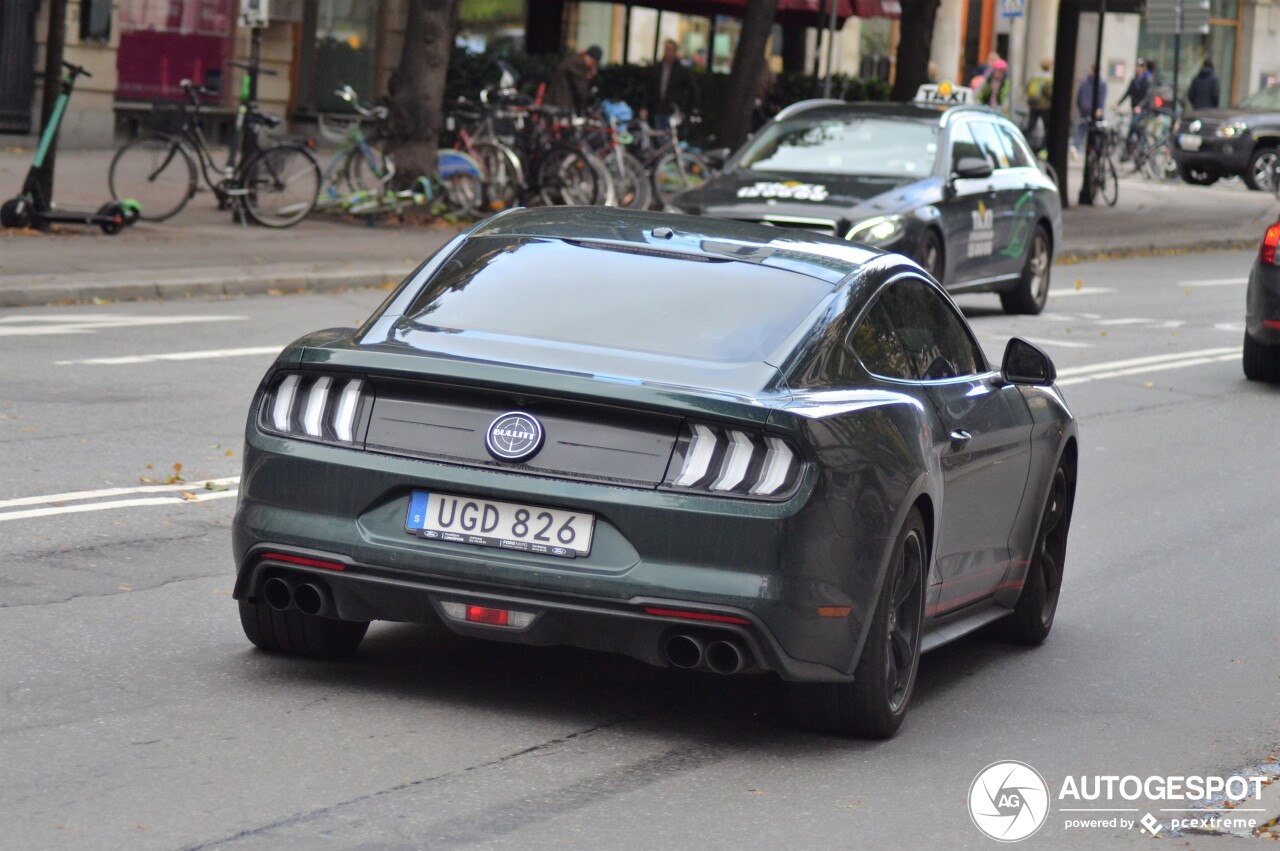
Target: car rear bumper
x,y
641,627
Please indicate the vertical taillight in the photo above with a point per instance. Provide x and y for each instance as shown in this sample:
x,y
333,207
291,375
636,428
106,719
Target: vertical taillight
x,y
732,462
1269,244
320,407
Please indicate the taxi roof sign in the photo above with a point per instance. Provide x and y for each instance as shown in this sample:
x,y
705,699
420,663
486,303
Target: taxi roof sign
x,y
944,94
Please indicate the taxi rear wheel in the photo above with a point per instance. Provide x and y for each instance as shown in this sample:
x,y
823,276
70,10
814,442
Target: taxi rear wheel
x,y
1032,291
931,257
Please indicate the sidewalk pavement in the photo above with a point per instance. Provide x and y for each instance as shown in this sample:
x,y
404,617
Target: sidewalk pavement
x,y
201,252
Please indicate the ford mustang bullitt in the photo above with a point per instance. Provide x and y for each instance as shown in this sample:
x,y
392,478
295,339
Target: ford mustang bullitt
x,y
702,444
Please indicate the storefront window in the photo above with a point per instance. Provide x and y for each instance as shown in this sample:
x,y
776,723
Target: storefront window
x,y
162,44
1219,45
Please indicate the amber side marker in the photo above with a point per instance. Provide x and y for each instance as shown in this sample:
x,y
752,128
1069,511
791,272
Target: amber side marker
x,y
834,611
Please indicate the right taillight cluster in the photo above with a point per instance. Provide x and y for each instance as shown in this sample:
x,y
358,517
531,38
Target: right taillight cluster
x,y
732,462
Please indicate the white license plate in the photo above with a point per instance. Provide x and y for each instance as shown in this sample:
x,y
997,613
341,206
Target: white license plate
x,y
507,525
1189,141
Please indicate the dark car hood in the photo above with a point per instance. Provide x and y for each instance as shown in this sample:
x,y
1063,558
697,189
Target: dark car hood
x,y
744,194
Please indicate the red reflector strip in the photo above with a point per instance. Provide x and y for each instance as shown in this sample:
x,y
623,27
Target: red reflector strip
x,y
695,616
1271,323
305,562
494,617
1269,243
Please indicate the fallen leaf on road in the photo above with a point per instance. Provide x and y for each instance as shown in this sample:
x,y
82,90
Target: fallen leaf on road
x,y
189,496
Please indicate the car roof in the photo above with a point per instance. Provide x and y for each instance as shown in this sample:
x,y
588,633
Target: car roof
x,y
696,237
823,108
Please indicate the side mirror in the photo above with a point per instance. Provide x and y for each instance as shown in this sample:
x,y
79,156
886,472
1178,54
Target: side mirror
x,y
972,167
1025,363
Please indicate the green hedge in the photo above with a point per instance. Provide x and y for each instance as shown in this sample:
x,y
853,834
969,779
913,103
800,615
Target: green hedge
x,y
469,73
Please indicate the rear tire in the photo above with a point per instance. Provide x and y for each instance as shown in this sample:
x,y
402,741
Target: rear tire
x,y
292,632
1032,292
283,183
1261,362
1109,182
671,176
874,705
155,171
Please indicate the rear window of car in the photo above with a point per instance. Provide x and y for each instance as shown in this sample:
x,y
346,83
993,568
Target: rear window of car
x,y
645,301
853,145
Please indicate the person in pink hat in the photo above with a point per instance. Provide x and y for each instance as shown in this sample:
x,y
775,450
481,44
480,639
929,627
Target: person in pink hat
x,y
995,91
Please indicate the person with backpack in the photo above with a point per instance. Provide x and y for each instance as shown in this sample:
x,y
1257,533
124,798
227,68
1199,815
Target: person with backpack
x,y
1039,100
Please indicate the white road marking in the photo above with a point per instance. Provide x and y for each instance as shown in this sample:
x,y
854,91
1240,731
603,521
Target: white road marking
x,y
208,354
1081,291
1138,366
43,326
1130,321
53,504
1214,282
1066,344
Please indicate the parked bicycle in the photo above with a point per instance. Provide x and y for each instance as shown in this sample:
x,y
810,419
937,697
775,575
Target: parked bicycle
x,y
357,165
1100,169
275,185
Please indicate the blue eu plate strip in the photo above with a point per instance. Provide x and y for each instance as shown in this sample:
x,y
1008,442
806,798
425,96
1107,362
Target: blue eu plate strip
x,y
417,518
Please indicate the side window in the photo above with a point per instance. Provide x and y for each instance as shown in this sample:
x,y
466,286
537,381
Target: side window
x,y
991,143
963,145
832,365
879,347
933,334
1021,154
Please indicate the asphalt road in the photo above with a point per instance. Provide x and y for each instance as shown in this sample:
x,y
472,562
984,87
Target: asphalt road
x,y
136,715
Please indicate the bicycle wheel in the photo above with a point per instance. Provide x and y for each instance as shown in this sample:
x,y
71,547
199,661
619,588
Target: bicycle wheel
x,y
676,171
565,176
281,185
155,171
361,174
503,174
1108,182
630,180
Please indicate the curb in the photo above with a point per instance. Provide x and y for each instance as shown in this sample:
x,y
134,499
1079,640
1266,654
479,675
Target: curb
x,y
33,295
1085,253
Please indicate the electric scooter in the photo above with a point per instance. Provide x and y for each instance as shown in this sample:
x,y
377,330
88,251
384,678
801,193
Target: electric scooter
x,y
32,209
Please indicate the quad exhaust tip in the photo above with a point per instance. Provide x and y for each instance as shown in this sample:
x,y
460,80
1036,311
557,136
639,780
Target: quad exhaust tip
x,y
307,597
720,656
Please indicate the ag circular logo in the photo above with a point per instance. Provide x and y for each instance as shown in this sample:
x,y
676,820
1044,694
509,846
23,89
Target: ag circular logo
x,y
514,436
1008,801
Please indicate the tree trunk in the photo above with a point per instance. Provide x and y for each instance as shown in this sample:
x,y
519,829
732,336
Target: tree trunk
x,y
416,90
914,44
744,75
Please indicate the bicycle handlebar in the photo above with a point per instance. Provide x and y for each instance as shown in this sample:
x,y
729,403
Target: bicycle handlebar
x,y
76,70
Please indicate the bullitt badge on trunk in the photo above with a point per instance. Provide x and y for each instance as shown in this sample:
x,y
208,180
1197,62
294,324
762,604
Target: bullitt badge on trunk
x,y
514,436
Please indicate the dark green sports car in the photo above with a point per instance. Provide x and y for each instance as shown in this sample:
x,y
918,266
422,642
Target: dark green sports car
x,y
699,443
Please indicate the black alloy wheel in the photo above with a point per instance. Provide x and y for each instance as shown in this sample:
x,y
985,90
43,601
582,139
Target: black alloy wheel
x,y
874,705
1032,617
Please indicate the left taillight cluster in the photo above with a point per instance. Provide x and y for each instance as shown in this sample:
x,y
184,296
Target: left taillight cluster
x,y
1270,243
733,462
329,408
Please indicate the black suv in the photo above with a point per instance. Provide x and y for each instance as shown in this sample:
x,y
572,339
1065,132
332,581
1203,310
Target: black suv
x,y
1243,140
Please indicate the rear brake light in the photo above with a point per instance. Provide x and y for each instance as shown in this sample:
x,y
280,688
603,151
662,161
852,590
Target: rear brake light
x,y
1269,244
732,462
319,407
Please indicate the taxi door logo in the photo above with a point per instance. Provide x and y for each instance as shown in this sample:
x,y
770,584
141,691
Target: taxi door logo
x,y
1009,801
982,238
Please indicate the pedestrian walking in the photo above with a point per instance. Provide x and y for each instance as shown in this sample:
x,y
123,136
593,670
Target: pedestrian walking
x,y
1039,99
1204,93
570,87
669,88
1086,106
